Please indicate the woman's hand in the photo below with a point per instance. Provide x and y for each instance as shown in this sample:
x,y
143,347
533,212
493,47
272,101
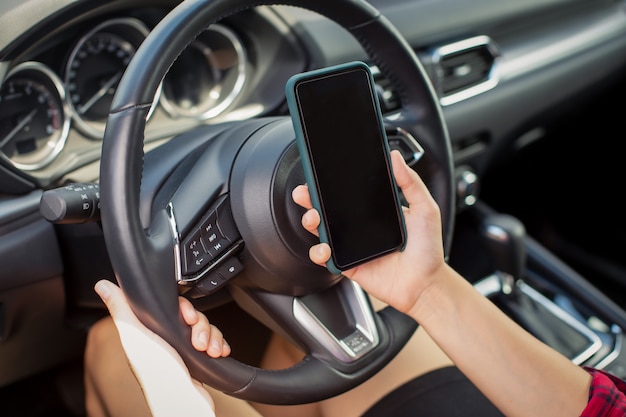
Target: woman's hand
x,y
516,371
422,257
205,337
165,380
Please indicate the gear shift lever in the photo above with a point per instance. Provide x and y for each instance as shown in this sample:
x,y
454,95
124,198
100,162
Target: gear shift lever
x,y
504,238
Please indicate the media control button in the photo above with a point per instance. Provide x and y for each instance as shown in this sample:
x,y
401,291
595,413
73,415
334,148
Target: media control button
x,y
216,247
209,226
195,255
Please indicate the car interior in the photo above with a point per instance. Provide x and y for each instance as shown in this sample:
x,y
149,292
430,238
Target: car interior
x,y
130,130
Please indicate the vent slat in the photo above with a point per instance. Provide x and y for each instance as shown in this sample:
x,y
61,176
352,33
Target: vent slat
x,y
465,68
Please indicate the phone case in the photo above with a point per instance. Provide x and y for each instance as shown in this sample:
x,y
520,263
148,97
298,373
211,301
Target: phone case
x,y
302,147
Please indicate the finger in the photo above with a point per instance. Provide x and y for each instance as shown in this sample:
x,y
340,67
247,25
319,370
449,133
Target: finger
x,y
412,186
301,196
205,337
115,301
311,221
210,339
200,328
188,311
320,253
216,342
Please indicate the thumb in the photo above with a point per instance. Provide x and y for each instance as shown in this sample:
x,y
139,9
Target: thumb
x,y
115,301
413,188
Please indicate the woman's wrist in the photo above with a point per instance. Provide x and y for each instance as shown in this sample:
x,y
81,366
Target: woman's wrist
x,y
435,295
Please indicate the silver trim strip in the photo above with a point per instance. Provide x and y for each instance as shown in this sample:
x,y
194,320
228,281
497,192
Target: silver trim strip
x,y
169,210
237,87
193,280
178,262
492,284
417,151
617,348
118,28
50,152
466,44
365,336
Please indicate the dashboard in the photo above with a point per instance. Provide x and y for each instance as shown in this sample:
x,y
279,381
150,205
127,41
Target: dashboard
x,y
60,74
56,94
39,105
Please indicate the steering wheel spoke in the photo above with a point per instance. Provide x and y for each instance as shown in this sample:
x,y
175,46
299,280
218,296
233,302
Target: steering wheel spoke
x,y
340,320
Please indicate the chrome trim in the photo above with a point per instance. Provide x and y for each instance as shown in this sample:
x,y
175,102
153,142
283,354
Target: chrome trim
x,y
616,331
95,129
178,271
441,52
491,285
193,280
178,262
240,51
365,332
410,141
61,95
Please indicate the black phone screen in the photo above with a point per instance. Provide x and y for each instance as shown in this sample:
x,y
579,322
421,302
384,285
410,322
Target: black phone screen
x,y
349,159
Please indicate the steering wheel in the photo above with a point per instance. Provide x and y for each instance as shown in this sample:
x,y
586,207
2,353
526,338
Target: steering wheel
x,y
211,210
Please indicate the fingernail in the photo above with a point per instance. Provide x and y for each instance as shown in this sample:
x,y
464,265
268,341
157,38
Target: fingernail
x,y
203,337
103,290
216,348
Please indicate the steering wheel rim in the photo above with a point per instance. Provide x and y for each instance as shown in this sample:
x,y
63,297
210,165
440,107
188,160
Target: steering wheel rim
x,y
153,293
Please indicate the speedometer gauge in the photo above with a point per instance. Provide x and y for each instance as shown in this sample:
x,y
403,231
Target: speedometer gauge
x,y
207,77
95,68
33,120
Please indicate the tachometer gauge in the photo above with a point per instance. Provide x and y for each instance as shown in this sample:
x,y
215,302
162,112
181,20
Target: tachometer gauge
x,y
207,77
33,120
94,69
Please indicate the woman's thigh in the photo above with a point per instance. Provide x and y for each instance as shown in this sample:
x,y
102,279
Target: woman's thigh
x,y
111,386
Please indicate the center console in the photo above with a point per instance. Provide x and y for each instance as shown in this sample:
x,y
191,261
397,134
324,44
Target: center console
x,y
537,290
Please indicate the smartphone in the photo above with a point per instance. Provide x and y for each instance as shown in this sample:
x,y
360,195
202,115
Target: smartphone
x,y
345,155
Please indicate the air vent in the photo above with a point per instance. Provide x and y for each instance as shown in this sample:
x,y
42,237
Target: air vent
x,y
387,98
465,69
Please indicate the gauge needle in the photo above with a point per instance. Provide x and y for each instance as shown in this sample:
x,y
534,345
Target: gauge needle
x,y
17,128
100,93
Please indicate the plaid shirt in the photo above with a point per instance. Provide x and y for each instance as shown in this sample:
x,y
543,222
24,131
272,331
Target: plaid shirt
x,y
607,395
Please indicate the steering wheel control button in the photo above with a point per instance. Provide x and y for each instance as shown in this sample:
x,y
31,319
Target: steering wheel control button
x,y
212,239
211,283
217,247
209,226
195,255
231,267
218,278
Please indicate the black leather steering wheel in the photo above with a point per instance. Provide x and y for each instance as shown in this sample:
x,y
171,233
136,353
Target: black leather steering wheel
x,y
235,179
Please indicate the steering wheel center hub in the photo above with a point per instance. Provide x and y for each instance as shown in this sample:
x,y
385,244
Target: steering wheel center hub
x,y
265,172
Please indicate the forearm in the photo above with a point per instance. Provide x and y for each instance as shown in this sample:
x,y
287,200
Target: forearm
x,y
518,373
165,381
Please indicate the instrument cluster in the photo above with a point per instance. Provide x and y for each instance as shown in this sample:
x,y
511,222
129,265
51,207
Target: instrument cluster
x,y
39,108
